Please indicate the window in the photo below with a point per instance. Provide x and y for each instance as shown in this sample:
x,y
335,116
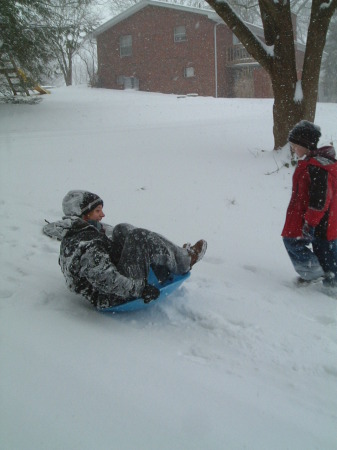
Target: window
x,y
120,80
125,45
180,34
128,82
189,72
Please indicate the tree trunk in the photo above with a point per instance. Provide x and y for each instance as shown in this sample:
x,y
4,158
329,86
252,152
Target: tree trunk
x,y
69,76
317,32
293,99
287,108
286,111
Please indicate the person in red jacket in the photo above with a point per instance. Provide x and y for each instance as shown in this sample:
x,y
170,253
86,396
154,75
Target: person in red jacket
x,y
310,230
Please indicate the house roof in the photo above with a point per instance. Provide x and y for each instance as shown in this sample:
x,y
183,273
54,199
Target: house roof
x,y
211,14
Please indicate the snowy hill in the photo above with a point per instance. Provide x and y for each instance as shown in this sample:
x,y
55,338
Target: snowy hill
x,y
239,358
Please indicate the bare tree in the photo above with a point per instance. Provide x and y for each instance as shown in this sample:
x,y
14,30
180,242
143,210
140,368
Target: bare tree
x,y
117,6
88,58
69,25
295,96
330,63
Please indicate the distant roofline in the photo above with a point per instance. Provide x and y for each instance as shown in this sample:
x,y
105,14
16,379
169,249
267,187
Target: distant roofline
x,y
211,14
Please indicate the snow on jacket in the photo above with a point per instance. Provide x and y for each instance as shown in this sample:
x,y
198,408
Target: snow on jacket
x,y
57,230
88,262
314,196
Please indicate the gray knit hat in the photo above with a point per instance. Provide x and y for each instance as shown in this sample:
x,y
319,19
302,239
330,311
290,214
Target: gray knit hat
x,y
305,134
79,203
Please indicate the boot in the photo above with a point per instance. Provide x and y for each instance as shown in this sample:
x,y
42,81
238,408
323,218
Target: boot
x,y
196,251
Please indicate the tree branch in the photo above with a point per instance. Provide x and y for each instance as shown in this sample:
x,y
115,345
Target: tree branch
x,y
256,48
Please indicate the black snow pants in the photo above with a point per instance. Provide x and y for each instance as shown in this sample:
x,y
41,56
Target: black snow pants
x,y
139,249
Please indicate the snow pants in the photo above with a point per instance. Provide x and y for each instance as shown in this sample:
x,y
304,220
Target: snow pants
x,y
139,249
310,264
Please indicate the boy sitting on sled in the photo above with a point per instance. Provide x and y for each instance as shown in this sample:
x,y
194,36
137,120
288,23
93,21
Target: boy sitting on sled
x,y
110,272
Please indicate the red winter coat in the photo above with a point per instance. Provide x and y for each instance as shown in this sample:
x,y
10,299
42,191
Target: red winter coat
x,y
314,196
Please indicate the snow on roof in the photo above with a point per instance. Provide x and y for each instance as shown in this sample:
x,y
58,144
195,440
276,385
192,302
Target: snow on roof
x,y
211,14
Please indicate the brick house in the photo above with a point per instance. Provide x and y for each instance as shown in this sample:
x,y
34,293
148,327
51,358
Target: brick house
x,y
161,47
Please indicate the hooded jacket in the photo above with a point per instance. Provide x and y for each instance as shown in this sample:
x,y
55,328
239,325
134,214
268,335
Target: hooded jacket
x,y
314,196
88,260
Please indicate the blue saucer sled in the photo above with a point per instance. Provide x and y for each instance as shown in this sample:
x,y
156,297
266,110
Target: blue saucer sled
x,y
165,288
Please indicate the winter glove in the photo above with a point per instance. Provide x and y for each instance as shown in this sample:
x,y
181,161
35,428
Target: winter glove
x,y
150,293
308,232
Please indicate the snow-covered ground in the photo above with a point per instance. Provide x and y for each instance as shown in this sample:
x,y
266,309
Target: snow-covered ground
x,y
239,358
